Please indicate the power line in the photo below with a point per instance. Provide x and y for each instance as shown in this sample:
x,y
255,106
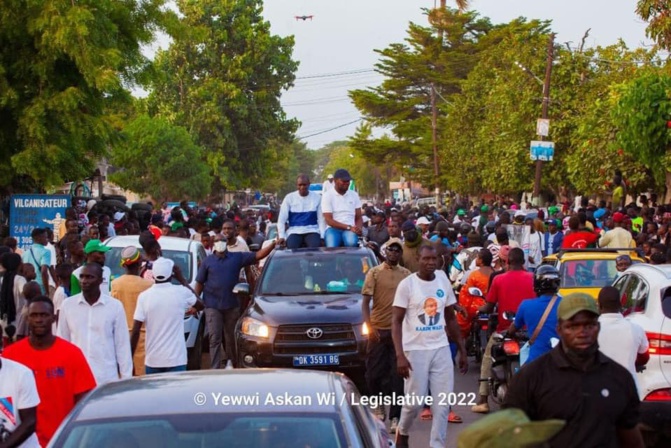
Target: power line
x,y
330,75
317,101
329,130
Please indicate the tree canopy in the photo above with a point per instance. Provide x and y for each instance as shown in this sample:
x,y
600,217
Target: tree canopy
x,y
222,79
161,160
63,64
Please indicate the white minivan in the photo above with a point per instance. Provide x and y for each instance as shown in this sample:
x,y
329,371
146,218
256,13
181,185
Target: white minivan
x,y
188,255
645,291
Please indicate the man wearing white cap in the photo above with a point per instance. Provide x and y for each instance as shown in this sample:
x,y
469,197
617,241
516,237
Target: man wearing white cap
x,y
328,184
162,307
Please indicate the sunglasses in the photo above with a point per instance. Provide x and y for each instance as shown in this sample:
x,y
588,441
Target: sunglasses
x,y
394,249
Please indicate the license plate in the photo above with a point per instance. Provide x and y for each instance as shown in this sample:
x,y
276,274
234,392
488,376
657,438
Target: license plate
x,y
316,360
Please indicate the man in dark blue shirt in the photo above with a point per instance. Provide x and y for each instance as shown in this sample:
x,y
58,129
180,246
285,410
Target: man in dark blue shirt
x,y
217,276
530,313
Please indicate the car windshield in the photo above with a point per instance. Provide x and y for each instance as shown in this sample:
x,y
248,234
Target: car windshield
x,y
311,273
221,429
588,273
181,259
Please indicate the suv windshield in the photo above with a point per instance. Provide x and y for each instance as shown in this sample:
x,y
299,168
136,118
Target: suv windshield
x,y
221,429
588,273
321,272
181,259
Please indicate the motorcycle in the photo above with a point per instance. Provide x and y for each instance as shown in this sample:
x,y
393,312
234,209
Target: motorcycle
x,y
505,361
479,334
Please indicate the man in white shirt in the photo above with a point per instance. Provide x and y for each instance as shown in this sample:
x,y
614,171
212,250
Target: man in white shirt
x,y
96,323
301,209
423,311
620,339
162,307
18,405
328,184
342,213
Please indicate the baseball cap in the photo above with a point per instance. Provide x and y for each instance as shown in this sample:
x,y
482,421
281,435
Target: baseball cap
x,y
394,242
162,268
342,174
407,226
574,303
95,246
509,428
484,208
618,217
552,210
461,212
423,221
118,216
330,176
130,255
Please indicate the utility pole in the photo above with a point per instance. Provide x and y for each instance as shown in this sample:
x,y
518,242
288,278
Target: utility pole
x,y
544,114
434,120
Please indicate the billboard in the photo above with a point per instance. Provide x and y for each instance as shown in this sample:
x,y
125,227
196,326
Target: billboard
x,y
28,211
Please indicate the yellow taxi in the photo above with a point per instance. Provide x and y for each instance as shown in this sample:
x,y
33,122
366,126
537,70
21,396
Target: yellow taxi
x,y
587,270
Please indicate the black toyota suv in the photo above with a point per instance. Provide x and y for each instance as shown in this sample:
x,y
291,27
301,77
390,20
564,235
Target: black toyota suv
x,y
306,311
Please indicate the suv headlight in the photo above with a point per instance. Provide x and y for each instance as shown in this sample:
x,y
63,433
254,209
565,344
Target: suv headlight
x,y
252,327
365,331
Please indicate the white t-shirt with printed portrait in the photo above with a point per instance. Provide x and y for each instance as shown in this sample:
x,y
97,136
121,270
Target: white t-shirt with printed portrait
x,y
17,391
424,303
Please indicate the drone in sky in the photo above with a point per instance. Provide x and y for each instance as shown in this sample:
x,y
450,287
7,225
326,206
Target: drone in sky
x,y
303,18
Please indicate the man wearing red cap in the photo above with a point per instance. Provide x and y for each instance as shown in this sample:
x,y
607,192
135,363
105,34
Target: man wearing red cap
x,y
617,237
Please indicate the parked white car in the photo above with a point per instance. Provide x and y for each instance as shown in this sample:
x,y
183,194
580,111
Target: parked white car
x,y
645,291
188,255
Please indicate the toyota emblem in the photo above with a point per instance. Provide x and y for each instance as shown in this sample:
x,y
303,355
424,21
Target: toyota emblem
x,y
314,333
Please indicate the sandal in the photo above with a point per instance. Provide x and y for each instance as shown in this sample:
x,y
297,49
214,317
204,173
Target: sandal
x,y
426,414
454,418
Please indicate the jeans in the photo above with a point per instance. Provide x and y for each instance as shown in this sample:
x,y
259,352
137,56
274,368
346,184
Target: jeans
x,y
430,368
296,241
486,368
336,238
222,323
151,370
381,374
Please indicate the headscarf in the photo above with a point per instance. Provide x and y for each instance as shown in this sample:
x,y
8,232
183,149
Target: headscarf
x,y
11,262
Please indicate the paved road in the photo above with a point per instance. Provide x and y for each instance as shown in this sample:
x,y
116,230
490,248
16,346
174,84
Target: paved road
x,y
419,434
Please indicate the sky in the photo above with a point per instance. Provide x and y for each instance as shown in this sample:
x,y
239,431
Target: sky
x,y
336,48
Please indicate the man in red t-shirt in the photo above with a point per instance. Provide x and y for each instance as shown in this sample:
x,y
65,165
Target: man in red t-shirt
x,y
62,374
506,292
576,238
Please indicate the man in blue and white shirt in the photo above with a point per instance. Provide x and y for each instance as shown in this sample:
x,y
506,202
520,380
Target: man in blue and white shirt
x,y
301,209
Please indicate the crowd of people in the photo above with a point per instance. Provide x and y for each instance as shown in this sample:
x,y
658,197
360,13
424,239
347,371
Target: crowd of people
x,y
76,327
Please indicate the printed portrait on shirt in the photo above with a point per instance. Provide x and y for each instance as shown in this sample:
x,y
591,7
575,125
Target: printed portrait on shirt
x,y
430,316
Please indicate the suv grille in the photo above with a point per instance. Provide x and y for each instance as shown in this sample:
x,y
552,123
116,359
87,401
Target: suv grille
x,y
336,338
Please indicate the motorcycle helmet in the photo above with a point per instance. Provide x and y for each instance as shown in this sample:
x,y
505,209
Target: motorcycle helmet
x,y
546,280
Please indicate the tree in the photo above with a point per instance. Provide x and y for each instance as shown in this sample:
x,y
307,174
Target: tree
x,y
641,114
161,160
290,160
657,14
441,56
62,65
369,178
222,79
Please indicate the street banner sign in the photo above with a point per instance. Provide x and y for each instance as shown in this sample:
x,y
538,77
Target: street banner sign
x,y
541,150
28,211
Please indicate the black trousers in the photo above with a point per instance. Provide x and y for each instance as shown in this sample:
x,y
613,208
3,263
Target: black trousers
x,y
381,374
